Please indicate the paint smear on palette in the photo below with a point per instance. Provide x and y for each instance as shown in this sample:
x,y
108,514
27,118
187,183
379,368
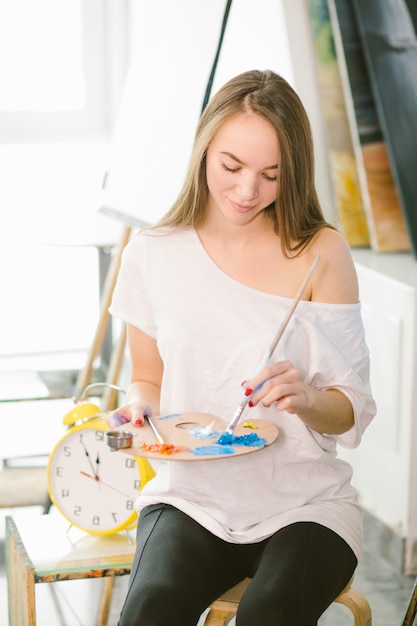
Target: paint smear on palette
x,y
206,432
168,417
212,450
251,440
163,448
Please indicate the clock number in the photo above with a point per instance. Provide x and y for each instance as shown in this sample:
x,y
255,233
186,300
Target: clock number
x,y
65,493
67,450
136,484
129,505
130,463
59,471
99,435
77,510
96,520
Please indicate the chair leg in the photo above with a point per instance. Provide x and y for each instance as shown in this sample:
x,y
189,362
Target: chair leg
x,y
224,609
216,617
105,599
412,608
358,606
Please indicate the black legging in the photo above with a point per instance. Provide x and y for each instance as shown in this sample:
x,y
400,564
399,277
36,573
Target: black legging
x,y
180,568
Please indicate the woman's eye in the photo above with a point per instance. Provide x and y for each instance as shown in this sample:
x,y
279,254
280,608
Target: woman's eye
x,y
233,170
270,179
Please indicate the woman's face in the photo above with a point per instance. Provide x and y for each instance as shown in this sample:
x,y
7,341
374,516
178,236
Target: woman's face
x,y
242,168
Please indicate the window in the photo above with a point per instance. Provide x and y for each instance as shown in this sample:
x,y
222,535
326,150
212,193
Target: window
x,y
61,64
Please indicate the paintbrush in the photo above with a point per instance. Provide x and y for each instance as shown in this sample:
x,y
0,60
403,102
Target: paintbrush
x,y
154,429
266,359
147,417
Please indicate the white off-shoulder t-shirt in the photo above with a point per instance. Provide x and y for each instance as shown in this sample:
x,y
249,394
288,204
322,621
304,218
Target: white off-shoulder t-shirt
x,y
212,333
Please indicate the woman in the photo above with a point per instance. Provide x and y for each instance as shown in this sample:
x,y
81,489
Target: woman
x,y
203,294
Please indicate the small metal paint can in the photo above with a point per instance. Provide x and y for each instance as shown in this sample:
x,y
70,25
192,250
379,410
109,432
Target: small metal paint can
x,y
117,439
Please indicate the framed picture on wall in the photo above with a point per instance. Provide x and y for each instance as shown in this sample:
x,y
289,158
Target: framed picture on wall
x,y
347,191
357,116
388,36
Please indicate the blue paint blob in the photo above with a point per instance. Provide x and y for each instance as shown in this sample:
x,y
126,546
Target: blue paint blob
x,y
201,433
212,450
251,440
168,417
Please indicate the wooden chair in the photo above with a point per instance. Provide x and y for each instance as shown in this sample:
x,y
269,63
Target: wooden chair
x,y
225,608
411,611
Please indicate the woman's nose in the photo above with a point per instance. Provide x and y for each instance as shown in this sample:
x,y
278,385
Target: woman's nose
x,y
248,187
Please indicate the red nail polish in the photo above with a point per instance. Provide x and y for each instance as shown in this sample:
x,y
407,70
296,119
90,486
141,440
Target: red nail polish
x,y
250,404
248,391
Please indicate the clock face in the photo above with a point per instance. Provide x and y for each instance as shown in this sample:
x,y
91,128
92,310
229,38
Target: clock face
x,y
93,487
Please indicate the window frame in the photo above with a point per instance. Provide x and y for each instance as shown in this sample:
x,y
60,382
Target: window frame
x,y
106,44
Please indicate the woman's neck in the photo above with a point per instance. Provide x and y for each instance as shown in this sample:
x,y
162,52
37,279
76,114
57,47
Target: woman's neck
x,y
237,237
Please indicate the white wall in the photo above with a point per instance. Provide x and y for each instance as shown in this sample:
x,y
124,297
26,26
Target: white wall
x,y
385,464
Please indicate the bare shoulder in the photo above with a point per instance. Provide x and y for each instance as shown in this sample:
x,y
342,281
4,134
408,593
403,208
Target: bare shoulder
x,y
335,279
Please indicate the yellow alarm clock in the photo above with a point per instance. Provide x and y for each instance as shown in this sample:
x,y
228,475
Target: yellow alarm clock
x,y
94,487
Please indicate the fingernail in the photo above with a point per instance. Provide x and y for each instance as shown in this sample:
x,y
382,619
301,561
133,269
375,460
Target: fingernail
x,y
248,391
250,404
138,421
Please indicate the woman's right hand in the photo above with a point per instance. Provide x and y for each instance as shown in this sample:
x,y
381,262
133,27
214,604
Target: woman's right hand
x,y
134,412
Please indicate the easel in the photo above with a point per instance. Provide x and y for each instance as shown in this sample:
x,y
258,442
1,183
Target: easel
x,y
116,359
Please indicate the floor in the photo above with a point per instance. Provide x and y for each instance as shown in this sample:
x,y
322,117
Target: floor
x,y
74,603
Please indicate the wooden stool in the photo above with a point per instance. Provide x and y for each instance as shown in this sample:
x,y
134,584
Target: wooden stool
x,y
224,608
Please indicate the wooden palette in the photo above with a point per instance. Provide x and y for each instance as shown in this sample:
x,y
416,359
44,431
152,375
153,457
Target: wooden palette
x,y
195,434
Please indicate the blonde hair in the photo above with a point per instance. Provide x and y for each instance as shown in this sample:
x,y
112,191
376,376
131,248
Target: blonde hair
x,y
296,213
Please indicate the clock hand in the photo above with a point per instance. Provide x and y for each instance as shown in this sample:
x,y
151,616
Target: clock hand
x,y
88,457
97,465
105,484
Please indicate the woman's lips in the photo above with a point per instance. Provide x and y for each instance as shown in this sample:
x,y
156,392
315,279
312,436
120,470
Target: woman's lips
x,y
242,208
